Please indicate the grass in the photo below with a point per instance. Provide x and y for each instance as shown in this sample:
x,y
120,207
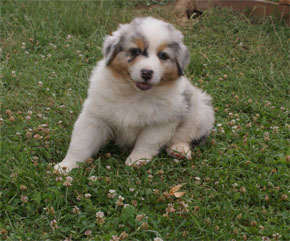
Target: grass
x,y
236,186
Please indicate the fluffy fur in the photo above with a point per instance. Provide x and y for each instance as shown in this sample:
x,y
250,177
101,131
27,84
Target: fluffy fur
x,y
139,98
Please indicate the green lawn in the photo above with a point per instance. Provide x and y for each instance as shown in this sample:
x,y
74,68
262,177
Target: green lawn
x,y
236,186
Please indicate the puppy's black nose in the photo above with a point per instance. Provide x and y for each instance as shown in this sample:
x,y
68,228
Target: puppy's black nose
x,y
146,74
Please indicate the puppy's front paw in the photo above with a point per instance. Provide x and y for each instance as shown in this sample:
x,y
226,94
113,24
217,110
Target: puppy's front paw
x,y
136,162
65,167
180,151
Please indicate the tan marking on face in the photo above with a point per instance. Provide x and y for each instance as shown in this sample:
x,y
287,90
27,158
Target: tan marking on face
x,y
170,74
139,43
162,47
119,66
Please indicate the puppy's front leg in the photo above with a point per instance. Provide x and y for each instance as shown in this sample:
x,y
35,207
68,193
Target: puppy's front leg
x,y
88,136
149,142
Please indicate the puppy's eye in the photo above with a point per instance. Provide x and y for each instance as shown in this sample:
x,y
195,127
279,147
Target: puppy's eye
x,y
163,56
135,52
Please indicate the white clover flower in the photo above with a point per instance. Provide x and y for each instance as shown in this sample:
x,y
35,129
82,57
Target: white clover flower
x,y
276,236
53,45
100,217
275,128
53,224
140,217
112,194
120,200
24,198
158,239
100,214
266,136
58,179
88,195
235,185
67,184
88,232
76,210
69,179
93,178
115,238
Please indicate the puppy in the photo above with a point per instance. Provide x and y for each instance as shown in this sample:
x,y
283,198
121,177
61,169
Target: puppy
x,y
139,97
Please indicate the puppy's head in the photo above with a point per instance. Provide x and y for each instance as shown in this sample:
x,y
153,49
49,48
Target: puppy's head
x,y
147,52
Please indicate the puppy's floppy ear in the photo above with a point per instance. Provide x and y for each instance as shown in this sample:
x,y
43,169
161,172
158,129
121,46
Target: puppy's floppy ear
x,y
111,47
182,58
181,52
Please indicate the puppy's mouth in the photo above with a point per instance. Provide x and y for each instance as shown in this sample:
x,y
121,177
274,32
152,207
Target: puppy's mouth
x,y
143,85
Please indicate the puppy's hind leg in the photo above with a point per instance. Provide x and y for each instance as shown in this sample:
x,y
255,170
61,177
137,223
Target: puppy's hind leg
x,y
187,134
195,127
88,136
149,142
179,151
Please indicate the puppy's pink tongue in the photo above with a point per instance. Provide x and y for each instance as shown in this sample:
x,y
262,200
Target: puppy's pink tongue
x,y
143,86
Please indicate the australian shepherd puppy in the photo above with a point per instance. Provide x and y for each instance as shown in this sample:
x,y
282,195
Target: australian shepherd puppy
x,y
139,97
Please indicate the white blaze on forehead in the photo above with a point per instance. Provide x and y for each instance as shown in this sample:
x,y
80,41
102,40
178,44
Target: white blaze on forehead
x,y
155,31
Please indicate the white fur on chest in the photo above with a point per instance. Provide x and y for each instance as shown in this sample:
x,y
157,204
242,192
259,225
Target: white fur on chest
x,y
127,111
123,107
141,112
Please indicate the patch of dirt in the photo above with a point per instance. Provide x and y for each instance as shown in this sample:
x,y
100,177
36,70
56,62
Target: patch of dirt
x,y
184,8
178,12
